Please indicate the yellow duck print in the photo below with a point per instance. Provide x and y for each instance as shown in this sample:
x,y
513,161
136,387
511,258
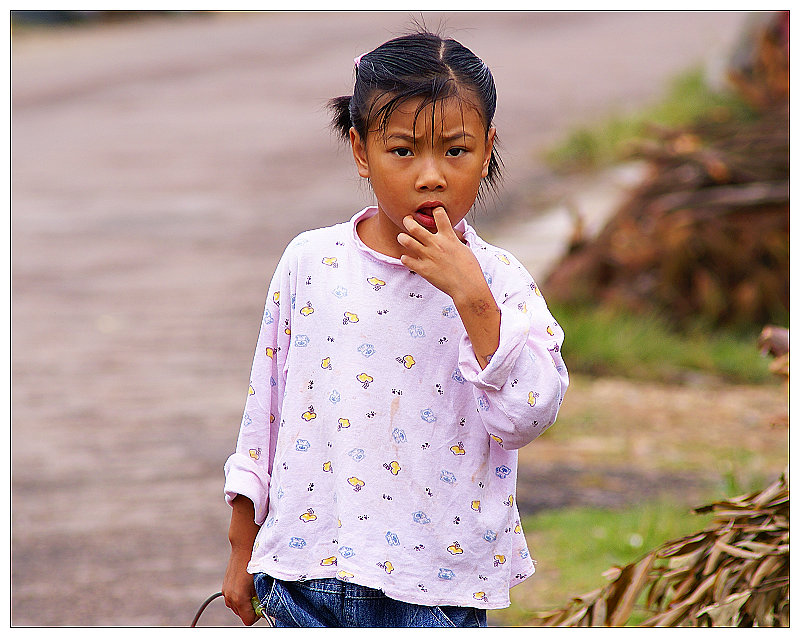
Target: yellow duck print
x,y
532,398
276,297
476,505
251,391
350,317
504,259
271,352
330,261
455,549
307,309
308,516
480,595
510,500
327,466
376,283
356,482
393,467
343,423
550,331
325,562
255,454
386,566
343,575
326,363
497,439
458,449
499,559
518,529
364,379
407,361
310,415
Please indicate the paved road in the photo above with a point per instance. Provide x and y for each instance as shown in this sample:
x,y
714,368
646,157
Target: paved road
x,y
158,170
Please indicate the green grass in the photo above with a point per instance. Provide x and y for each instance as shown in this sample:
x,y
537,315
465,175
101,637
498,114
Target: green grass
x,y
603,341
573,547
688,98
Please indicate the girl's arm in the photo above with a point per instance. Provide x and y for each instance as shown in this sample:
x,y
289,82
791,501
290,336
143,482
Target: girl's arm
x,y
511,352
444,260
238,587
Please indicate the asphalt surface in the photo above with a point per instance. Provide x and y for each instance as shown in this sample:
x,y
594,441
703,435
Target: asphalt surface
x,y
158,170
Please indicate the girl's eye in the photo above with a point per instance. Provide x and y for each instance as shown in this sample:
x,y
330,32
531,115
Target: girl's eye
x,y
402,152
456,152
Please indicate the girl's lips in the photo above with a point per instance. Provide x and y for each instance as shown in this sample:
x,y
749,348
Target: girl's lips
x,y
425,218
424,214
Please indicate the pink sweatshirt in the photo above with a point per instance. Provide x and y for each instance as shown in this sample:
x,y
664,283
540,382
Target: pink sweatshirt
x,y
373,446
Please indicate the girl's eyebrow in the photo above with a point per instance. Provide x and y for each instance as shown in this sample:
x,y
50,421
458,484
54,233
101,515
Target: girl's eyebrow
x,y
452,137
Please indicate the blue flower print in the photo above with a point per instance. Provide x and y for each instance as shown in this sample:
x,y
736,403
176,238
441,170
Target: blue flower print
x,y
268,319
523,553
366,349
347,552
269,523
489,536
488,278
503,471
449,311
301,341
428,415
272,382
335,397
483,402
301,445
416,331
357,454
280,493
421,518
294,298
296,542
340,291
457,376
446,574
398,435
392,539
448,477
246,420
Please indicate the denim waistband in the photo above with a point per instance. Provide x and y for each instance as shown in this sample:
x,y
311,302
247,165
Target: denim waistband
x,y
339,587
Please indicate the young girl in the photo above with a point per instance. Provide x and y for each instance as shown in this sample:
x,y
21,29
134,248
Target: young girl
x,y
401,362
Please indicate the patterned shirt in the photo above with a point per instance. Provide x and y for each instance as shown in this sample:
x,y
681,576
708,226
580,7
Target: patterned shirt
x,y
373,446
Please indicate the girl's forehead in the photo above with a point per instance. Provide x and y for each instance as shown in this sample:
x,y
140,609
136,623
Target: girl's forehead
x,y
447,113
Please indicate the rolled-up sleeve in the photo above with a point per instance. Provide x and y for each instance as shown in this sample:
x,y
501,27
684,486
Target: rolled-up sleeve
x,y
248,469
519,393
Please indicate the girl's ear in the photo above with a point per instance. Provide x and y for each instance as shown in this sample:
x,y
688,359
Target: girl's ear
x,y
359,153
488,152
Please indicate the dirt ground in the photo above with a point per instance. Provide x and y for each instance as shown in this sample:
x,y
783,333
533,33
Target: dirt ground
x,y
159,168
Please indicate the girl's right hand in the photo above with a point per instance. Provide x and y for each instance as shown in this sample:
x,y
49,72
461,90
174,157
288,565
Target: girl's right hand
x,y
238,587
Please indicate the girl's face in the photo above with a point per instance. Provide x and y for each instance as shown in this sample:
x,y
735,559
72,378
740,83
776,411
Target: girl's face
x,y
421,162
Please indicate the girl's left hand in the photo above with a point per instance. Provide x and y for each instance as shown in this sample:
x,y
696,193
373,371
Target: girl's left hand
x,y
440,257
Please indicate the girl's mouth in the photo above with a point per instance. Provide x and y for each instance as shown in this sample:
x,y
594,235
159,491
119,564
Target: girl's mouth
x,y
424,216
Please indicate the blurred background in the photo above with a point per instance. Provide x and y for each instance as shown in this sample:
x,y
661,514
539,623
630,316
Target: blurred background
x,y
162,160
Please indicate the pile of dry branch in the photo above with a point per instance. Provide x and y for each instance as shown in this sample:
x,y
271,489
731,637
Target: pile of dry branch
x,y
707,234
735,573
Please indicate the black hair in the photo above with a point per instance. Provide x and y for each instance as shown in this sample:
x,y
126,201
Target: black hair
x,y
419,65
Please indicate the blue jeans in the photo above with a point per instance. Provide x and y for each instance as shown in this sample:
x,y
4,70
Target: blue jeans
x,y
329,602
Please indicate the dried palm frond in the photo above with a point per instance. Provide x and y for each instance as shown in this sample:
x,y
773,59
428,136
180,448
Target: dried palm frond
x,y
735,573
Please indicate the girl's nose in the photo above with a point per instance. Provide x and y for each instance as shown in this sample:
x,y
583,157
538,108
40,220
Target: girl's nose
x,y
430,177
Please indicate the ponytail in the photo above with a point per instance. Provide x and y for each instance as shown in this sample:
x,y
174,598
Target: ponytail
x,y
340,122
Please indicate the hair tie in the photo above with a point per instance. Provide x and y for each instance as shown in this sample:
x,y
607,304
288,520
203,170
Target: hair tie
x,y
358,59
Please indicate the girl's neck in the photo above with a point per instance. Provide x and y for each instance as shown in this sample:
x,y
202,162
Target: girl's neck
x,y
378,236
